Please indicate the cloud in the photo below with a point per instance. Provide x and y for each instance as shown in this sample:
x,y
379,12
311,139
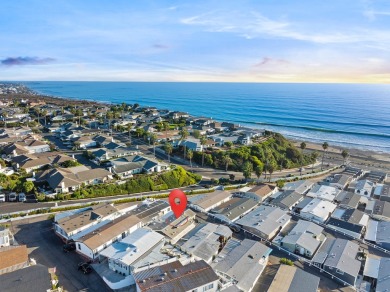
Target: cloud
x,y
20,61
160,46
272,61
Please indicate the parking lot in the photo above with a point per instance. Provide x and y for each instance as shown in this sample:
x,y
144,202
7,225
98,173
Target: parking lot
x,y
46,248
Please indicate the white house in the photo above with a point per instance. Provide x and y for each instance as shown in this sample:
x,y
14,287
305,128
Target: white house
x,y
318,210
364,187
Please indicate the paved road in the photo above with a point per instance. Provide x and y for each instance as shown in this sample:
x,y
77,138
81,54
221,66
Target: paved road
x,y
46,248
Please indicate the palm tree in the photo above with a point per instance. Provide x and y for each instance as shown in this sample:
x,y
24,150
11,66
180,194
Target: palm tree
x,y
129,129
345,155
259,170
183,135
227,160
153,139
168,150
203,142
324,147
271,168
190,155
303,146
166,128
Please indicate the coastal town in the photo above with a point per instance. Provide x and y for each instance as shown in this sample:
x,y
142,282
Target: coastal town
x,y
84,203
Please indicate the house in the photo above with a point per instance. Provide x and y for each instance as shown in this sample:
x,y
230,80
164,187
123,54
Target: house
x,y
291,279
83,142
377,269
105,154
379,210
242,263
363,187
138,251
234,209
349,221
377,176
258,193
326,193
178,227
338,181
91,244
354,172
31,162
378,232
339,258
195,276
13,258
206,202
318,210
86,221
27,146
382,192
32,278
349,200
16,131
304,239
64,180
126,167
287,199
265,221
300,186
207,242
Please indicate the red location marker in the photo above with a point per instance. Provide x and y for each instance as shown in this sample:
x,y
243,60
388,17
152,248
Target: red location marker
x,y
178,202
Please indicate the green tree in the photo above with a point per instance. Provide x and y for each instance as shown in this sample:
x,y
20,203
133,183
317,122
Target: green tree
x,y
247,169
28,186
196,134
345,155
259,171
227,160
229,144
303,146
183,135
140,132
203,141
324,147
190,155
271,169
168,150
166,128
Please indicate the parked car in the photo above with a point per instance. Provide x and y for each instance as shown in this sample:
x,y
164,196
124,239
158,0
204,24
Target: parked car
x,y
69,247
12,197
22,197
2,198
85,268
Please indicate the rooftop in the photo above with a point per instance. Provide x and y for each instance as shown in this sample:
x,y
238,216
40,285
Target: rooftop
x,y
210,200
12,255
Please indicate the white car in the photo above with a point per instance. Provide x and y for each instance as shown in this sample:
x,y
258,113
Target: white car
x,y
12,197
2,198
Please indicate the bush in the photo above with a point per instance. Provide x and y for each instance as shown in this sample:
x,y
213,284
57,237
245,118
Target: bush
x,y
285,261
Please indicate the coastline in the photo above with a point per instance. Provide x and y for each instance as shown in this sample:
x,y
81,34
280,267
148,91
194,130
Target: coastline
x,y
363,155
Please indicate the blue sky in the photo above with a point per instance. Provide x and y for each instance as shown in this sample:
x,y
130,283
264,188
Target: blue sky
x,y
145,40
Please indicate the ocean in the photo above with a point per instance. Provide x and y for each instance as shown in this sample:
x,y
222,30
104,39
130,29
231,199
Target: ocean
x,y
348,115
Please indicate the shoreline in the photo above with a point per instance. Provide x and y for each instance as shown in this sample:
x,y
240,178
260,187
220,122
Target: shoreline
x,y
365,154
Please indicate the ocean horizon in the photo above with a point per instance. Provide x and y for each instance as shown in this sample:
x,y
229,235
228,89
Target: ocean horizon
x,y
347,115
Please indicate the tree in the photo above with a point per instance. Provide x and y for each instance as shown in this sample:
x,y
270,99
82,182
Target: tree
x,y
247,169
229,144
203,142
153,139
259,170
324,147
303,146
313,156
196,134
140,132
168,150
183,135
190,155
166,128
227,160
271,169
28,186
345,155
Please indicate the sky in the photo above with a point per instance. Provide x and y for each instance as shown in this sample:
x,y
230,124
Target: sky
x,y
227,41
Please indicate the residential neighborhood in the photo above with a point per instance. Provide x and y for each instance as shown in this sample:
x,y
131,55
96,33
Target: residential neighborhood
x,y
85,205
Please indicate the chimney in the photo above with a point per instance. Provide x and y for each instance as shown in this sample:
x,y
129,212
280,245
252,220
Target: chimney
x,y
62,185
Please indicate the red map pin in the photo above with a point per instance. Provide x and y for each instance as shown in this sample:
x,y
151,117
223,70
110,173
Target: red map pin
x,y
178,202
